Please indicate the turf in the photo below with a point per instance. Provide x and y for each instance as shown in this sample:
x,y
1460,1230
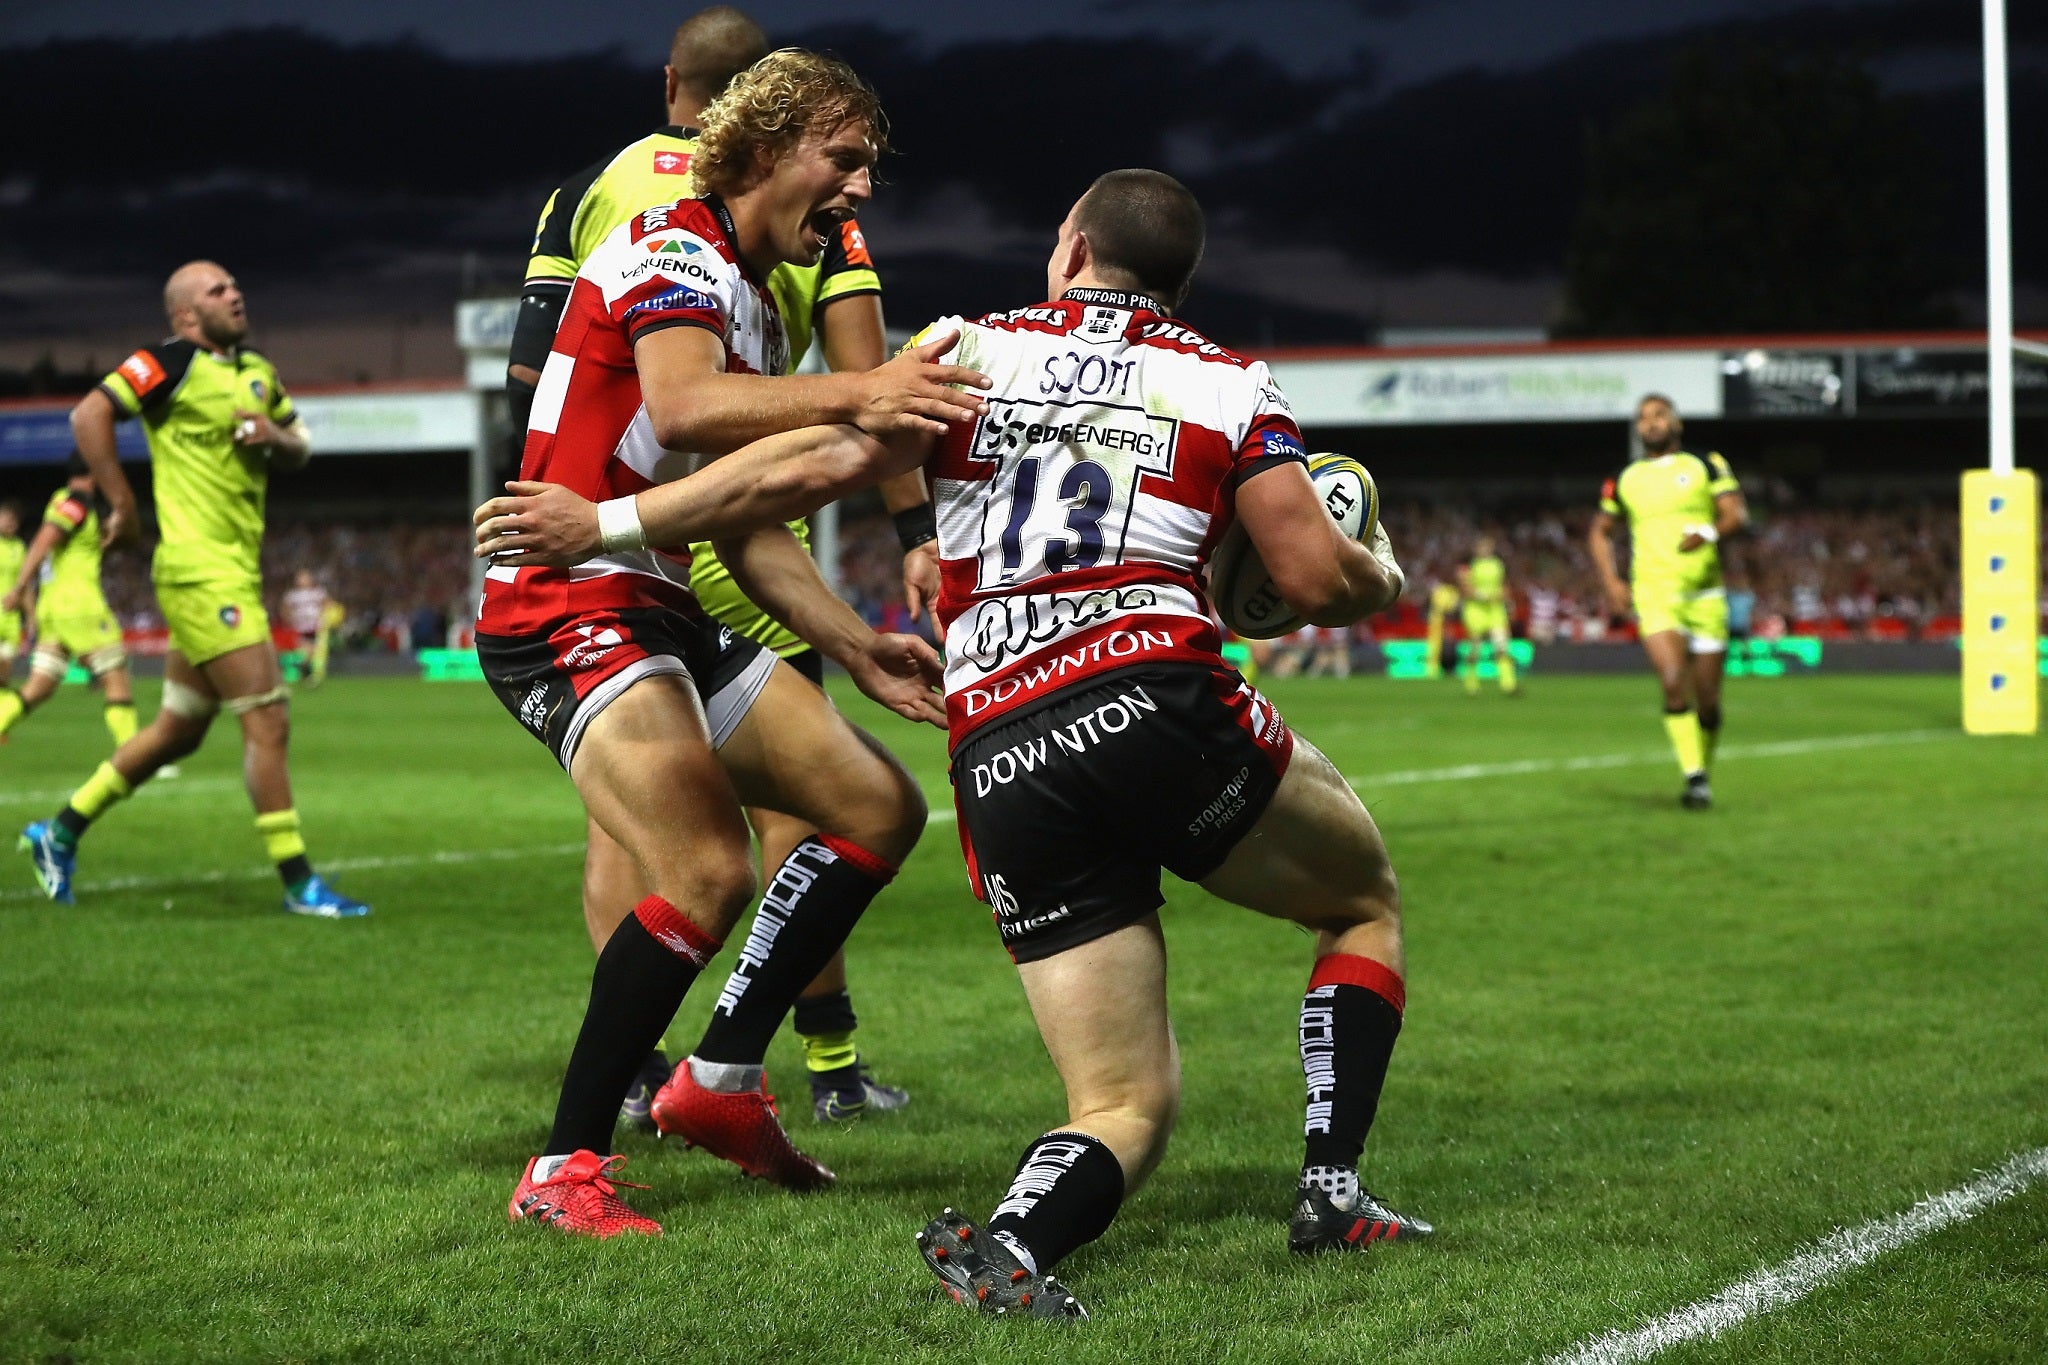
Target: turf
x,y
1647,1053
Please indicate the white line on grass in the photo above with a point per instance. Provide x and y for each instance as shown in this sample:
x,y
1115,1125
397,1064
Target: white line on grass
x,y
182,786
1467,772
1471,772
1833,1256
257,874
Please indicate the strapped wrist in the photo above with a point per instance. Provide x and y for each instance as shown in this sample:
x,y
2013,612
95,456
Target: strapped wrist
x,y
618,525
917,526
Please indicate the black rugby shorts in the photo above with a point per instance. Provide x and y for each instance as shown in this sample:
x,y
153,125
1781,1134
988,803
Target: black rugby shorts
x,y
1068,813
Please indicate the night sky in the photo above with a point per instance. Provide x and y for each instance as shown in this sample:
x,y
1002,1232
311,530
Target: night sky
x,y
1368,165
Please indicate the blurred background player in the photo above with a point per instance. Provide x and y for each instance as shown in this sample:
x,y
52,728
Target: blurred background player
x,y
1443,600
217,419
313,616
1483,580
1679,507
836,298
62,573
11,552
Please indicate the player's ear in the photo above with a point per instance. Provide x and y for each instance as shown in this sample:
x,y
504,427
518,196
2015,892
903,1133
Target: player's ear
x,y
1077,257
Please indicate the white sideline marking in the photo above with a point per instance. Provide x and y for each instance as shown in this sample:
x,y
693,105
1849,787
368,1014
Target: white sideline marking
x,y
1468,772
1833,1256
176,786
257,874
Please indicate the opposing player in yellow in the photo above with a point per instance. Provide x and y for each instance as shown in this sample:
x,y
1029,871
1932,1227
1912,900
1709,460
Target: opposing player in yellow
x,y
837,300
1679,507
217,421
1483,580
1443,600
61,571
11,553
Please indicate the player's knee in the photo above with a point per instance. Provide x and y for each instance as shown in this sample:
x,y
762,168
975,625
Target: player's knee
x,y
721,882
883,810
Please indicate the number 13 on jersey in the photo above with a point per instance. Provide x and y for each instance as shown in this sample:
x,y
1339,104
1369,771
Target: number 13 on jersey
x,y
1066,489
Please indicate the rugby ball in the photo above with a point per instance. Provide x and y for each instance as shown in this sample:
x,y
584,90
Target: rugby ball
x,y
1239,587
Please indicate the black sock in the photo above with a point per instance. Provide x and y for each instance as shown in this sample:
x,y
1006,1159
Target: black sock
x,y
642,975
71,822
1065,1194
294,870
811,905
1349,1020
825,1013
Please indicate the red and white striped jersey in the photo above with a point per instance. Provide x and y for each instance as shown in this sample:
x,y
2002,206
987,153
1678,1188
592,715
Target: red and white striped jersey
x,y
1076,517
673,266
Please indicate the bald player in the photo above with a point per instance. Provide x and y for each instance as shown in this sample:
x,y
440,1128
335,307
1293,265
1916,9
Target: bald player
x,y
217,421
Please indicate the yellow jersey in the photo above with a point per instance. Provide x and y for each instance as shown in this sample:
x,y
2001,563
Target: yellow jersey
x,y
1662,495
209,490
1488,580
71,575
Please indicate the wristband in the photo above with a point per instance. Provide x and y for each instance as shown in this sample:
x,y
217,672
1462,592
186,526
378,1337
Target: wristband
x,y
618,525
1705,531
917,526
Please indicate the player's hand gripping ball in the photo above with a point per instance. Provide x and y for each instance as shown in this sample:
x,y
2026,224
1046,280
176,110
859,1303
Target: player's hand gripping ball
x,y
1239,586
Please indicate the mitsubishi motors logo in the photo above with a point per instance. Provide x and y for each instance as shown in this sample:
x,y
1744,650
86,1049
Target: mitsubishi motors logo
x,y
597,642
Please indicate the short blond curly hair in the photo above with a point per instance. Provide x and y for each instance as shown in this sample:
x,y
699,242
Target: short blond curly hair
x,y
773,105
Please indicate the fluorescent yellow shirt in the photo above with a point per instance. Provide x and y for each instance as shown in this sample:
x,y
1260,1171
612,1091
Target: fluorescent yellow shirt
x,y
1488,578
1662,495
71,575
209,491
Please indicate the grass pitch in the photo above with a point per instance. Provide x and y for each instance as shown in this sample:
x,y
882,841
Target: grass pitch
x,y
1647,1053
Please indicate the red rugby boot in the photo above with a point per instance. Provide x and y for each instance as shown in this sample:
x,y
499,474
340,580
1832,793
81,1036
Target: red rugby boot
x,y
740,1126
580,1198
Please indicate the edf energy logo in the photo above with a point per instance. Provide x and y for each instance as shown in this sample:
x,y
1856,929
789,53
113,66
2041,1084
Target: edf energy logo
x,y
259,391
231,616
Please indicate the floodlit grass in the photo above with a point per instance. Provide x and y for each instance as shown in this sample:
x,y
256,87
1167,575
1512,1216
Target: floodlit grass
x,y
1647,1052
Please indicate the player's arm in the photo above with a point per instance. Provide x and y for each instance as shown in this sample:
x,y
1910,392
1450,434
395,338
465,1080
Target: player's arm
x,y
287,444
1600,544
1329,578
769,483
695,405
778,575
92,429
21,593
851,331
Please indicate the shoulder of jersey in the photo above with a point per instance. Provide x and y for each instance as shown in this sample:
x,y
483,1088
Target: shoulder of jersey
x,y
1064,316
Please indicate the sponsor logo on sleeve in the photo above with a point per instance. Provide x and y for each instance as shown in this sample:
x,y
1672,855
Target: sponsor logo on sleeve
x,y
142,372
854,244
675,301
671,163
1284,444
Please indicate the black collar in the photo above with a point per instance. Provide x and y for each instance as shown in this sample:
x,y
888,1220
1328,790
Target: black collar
x,y
732,237
1115,298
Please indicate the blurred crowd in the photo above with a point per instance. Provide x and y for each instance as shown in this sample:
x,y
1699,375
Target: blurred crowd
x,y
1882,572
402,587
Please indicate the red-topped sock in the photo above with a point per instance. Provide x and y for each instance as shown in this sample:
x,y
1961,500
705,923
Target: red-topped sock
x,y
808,909
642,975
1349,1021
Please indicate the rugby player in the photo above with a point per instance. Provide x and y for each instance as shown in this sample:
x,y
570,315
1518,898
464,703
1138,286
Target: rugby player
x,y
1483,581
1098,736
1679,507
62,572
670,357
217,421
11,554
839,297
